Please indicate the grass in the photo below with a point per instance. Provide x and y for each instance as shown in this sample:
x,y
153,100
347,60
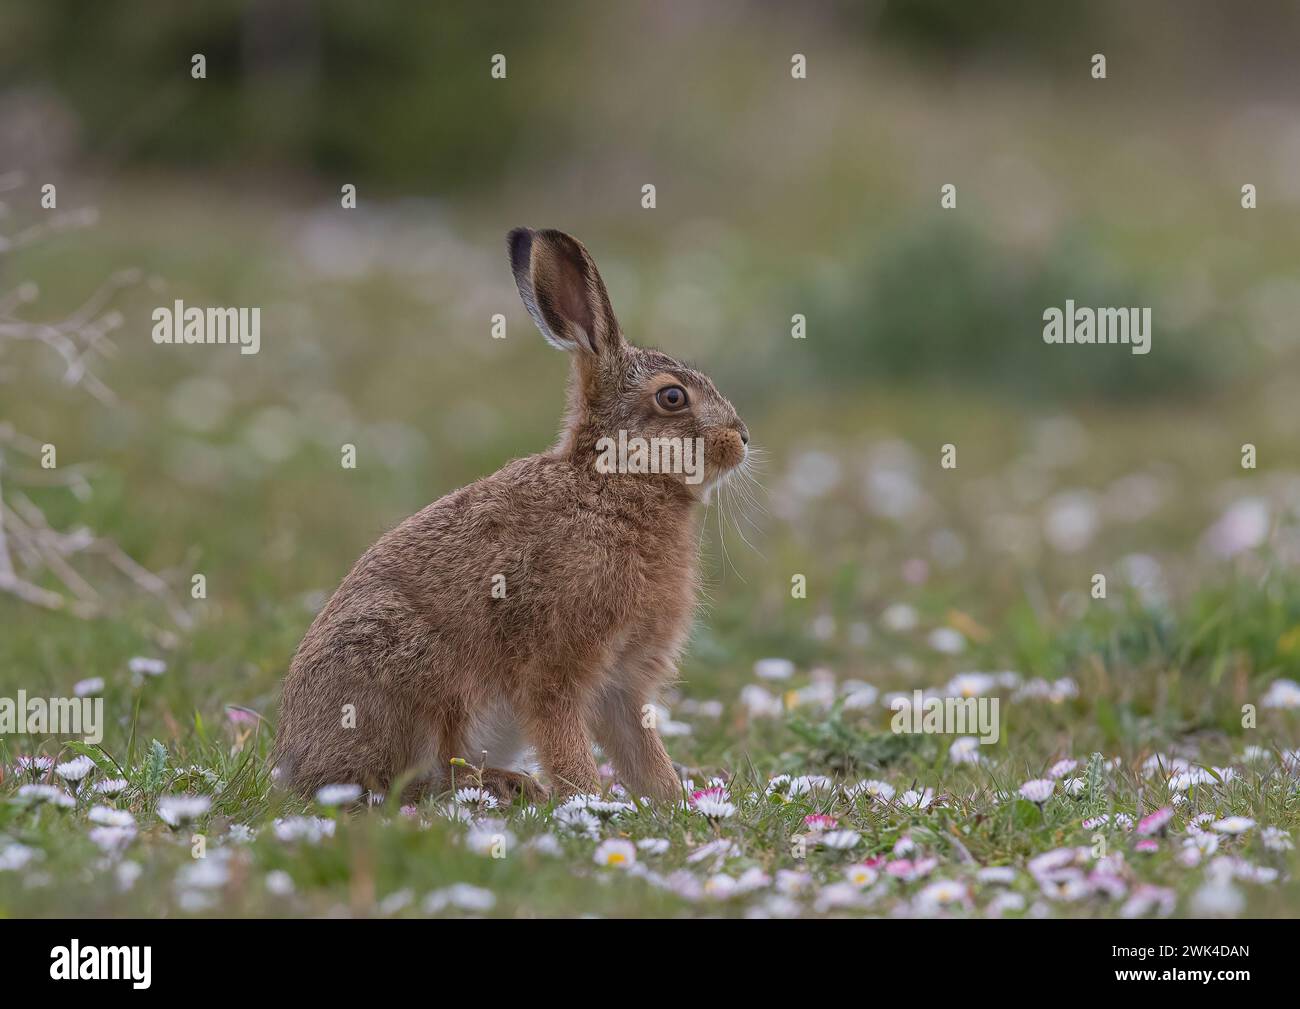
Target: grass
x,y
228,467
268,854
1162,667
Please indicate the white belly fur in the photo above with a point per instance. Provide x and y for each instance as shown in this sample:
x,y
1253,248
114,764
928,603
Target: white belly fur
x,y
497,731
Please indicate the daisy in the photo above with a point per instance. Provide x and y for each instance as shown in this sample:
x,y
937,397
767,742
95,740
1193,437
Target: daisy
x,y
875,789
609,807
1062,767
303,828
793,882
653,845
107,816
1282,694
615,852
147,667
1147,898
840,840
280,884
91,685
775,906
211,873
900,618
338,795
834,896
713,803
110,786
545,844
1074,787
965,750
1000,875
175,810
75,769
111,839
1276,839
578,822
774,669
752,879
720,886
16,856
818,695
760,703
715,851
1067,885
818,823
1051,861
490,840
861,875
462,896
126,874
1195,824
1147,846
939,894
946,641
1155,823
47,793
912,799
473,796
807,783
1003,903
1037,790
1233,825
1243,870
1218,898
908,870
241,716
35,766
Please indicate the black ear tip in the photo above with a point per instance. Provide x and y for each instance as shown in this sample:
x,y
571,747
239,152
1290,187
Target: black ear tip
x,y
520,244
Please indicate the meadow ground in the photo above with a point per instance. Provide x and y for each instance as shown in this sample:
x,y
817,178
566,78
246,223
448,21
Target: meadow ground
x,y
1160,723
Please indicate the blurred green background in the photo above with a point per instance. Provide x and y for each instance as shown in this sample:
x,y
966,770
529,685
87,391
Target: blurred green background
x,y
775,197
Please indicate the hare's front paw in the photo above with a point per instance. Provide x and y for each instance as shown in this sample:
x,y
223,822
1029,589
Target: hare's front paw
x,y
507,784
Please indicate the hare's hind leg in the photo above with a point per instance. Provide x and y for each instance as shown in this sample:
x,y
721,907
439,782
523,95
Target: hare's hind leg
x,y
634,745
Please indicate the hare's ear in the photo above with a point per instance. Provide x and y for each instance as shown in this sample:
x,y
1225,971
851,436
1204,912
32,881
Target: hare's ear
x,y
562,290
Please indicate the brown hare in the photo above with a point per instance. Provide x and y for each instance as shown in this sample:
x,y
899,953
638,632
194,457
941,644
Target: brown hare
x,y
539,608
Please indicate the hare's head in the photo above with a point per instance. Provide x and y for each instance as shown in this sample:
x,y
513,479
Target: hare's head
x,y
632,408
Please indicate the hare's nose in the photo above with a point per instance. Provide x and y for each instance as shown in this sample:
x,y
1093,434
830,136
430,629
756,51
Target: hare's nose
x,y
744,434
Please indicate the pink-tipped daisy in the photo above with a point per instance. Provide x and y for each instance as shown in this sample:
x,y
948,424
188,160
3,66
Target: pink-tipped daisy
x,y
713,802
1147,845
1155,823
818,823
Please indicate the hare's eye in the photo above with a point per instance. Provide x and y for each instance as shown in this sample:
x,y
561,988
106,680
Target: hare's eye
x,y
672,397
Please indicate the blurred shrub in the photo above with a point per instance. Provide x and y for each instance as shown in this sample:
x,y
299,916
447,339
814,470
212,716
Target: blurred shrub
x,y
395,93
944,303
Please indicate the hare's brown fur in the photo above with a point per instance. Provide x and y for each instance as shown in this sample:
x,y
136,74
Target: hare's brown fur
x,y
599,588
